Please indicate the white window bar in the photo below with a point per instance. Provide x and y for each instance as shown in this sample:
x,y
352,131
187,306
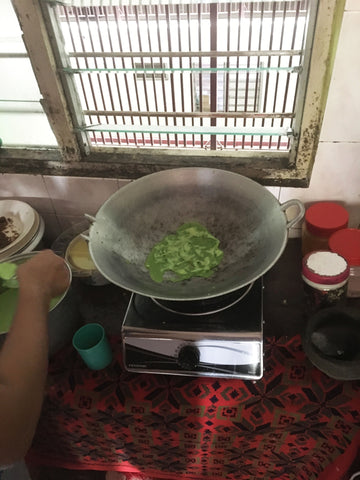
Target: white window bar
x,y
113,51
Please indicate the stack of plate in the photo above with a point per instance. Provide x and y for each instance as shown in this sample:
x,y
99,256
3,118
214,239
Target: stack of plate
x,y
21,228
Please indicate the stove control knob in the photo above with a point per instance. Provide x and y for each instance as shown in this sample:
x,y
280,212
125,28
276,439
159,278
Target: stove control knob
x,y
188,357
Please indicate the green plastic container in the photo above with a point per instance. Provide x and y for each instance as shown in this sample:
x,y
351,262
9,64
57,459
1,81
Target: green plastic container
x,y
93,346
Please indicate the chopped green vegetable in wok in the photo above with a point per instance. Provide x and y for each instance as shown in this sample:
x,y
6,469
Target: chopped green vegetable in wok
x,y
189,252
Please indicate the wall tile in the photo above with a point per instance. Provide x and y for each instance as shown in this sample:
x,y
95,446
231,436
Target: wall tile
x,y
336,177
52,228
68,221
342,113
122,182
352,5
74,196
275,191
27,188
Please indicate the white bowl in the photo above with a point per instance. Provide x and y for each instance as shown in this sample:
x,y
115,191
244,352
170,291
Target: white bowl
x,y
25,222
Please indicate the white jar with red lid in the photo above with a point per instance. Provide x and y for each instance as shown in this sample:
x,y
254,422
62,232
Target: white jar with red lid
x,y
325,275
346,243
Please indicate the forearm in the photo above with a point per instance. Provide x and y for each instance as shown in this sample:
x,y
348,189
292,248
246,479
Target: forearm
x,y
23,370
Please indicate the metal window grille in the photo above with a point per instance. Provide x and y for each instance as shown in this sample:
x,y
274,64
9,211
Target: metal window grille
x,y
194,75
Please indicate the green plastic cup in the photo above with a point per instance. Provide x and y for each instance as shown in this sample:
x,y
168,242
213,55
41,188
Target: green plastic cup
x,y
93,346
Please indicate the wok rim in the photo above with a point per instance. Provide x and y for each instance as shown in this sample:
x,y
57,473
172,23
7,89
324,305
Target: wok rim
x,y
188,297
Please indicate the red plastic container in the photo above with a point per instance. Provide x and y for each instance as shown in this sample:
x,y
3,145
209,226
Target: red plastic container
x,y
321,221
347,244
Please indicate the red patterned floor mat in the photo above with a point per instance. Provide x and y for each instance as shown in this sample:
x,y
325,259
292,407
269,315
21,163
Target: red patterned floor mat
x,y
293,424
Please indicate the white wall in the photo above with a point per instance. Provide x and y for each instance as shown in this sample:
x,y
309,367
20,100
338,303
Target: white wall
x,y
62,201
336,173
23,121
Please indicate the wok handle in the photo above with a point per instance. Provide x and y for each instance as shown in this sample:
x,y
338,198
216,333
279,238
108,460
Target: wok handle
x,y
91,220
85,237
299,216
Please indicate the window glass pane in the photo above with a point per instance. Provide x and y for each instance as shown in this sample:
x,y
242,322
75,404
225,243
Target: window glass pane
x,y
22,119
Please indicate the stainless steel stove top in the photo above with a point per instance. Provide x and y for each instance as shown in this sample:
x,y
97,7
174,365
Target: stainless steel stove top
x,y
228,343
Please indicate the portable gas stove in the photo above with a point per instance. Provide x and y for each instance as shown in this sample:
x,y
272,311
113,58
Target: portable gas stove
x,y
218,337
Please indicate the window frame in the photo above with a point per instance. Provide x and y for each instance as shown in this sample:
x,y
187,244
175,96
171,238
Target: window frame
x,y
74,159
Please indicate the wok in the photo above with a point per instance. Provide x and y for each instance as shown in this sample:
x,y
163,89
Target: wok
x,y
247,219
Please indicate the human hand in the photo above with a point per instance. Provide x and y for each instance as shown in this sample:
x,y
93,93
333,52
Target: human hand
x,y
45,275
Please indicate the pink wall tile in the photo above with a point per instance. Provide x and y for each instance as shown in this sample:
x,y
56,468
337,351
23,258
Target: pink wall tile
x,y
27,188
75,196
52,228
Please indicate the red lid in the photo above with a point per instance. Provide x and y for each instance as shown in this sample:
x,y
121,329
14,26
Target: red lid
x,y
347,243
325,267
324,218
